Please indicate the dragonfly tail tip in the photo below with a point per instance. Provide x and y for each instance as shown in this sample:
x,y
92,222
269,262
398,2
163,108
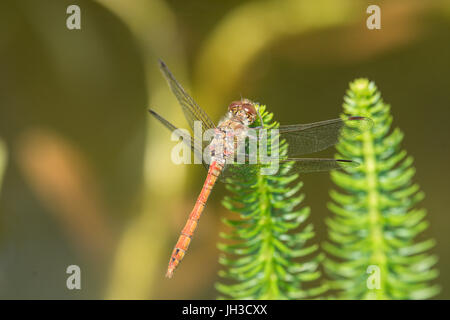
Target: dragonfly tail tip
x,y
169,274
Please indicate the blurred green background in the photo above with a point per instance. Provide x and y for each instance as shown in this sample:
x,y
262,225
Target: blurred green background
x,y
88,179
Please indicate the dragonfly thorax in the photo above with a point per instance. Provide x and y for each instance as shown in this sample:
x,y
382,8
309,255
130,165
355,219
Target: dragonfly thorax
x,y
227,134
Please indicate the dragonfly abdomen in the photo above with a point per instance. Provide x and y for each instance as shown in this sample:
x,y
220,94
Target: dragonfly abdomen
x,y
189,228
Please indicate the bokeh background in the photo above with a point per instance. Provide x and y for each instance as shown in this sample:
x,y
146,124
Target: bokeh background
x,y
85,173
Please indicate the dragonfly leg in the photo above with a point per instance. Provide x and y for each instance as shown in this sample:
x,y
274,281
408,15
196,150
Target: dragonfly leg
x,y
260,120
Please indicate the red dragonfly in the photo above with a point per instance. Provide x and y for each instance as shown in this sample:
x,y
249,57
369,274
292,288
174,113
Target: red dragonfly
x,y
301,139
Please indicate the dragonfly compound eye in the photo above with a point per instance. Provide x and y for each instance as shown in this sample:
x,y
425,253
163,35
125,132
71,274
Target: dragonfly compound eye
x,y
234,106
243,109
250,111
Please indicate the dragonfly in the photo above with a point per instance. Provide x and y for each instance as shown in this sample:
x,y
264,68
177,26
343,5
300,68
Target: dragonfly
x,y
301,139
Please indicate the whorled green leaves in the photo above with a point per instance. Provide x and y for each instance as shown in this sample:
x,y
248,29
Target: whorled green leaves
x,y
262,256
373,250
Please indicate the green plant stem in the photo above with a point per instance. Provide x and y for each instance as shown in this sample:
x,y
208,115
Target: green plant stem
x,y
267,248
378,256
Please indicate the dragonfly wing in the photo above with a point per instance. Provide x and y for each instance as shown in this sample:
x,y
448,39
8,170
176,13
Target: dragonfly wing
x,y
297,165
317,136
305,165
190,108
238,171
187,138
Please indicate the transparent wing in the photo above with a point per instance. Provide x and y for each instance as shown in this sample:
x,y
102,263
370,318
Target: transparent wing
x,y
317,136
238,171
305,165
190,108
297,165
186,137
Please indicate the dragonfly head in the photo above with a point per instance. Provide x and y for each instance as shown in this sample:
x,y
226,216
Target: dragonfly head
x,y
244,110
